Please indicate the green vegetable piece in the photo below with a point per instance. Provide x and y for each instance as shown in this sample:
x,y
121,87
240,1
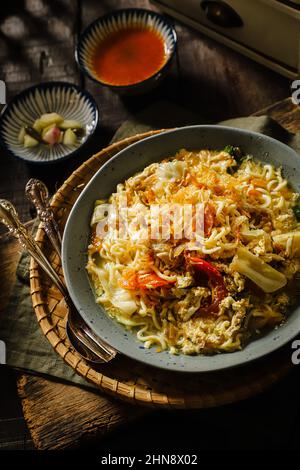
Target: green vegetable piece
x,y
69,137
70,124
228,149
37,126
234,151
48,119
29,141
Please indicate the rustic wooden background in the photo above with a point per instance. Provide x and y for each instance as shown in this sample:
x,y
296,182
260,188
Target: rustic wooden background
x,y
37,39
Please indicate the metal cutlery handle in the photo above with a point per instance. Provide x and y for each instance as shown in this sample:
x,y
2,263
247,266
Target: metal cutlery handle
x,y
84,347
9,217
106,353
85,331
37,192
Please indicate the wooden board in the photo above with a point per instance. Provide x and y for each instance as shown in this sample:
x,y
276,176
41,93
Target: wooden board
x,y
61,416
34,390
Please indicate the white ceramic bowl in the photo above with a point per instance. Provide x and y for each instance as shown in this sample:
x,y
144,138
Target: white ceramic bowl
x,y
115,21
64,98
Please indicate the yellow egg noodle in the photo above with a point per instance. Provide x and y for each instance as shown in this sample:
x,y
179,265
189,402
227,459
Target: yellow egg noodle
x,y
214,292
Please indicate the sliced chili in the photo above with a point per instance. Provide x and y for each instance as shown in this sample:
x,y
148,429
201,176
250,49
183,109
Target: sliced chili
x,y
219,291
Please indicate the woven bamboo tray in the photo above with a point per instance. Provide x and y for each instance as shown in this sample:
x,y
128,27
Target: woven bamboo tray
x,y
125,378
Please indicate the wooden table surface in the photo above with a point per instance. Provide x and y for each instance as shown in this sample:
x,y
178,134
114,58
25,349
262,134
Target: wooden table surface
x,y
37,39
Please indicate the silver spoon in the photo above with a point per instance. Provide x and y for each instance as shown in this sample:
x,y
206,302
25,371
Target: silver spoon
x,y
91,347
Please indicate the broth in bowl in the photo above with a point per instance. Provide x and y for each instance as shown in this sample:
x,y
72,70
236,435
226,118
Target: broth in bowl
x,y
129,56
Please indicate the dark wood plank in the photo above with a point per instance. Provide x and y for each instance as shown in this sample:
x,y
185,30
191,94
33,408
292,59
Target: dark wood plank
x,y
70,416
14,433
37,41
284,112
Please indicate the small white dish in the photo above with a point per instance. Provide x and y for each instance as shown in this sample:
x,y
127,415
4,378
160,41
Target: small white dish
x,y
63,98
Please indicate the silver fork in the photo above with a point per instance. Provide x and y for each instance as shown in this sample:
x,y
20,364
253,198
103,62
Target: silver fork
x,y
91,347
